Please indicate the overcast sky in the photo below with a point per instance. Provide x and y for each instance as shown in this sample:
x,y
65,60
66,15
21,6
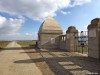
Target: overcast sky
x,y
21,19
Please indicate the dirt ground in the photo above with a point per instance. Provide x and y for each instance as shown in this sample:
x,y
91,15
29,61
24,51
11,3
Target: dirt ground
x,y
17,60
10,62
58,62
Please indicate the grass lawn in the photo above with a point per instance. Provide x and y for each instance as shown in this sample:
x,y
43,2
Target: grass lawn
x,y
27,43
85,49
3,44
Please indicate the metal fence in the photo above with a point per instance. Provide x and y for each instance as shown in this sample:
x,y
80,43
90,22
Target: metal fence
x,y
82,45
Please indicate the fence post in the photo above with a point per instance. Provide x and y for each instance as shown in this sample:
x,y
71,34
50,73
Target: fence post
x,y
94,38
71,41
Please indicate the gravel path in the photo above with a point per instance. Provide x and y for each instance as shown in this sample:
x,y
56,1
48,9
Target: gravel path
x,y
58,62
33,61
10,62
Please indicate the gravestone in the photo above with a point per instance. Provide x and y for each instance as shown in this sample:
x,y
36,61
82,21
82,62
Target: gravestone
x,y
94,38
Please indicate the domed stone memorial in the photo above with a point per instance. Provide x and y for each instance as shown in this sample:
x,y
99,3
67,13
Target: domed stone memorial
x,y
48,35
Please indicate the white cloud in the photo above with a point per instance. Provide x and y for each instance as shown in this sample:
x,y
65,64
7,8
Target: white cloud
x,y
10,26
79,2
9,29
64,32
86,27
65,13
37,9
34,9
2,20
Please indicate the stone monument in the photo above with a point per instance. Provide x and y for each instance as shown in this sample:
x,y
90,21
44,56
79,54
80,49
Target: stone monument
x,y
94,38
48,35
71,41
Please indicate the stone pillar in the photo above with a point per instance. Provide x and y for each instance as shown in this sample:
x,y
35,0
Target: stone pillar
x,y
71,40
94,39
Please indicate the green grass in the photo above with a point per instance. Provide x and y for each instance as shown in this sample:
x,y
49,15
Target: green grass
x,y
27,43
85,49
3,44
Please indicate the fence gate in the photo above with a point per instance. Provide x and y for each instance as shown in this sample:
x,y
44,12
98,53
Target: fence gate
x,y
82,45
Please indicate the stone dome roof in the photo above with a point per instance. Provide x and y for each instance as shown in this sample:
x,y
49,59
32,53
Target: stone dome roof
x,y
50,26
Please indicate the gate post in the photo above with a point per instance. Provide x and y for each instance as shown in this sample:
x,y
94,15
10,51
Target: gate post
x,y
94,38
71,39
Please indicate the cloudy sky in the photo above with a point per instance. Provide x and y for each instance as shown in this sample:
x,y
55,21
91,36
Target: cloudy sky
x,y
21,19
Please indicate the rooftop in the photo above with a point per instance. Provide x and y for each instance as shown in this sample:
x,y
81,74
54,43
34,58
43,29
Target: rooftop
x,y
50,25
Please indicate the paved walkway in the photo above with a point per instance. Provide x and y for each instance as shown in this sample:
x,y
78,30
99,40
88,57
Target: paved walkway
x,y
9,65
